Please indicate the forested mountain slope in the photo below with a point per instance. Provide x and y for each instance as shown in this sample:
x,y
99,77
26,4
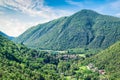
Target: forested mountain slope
x,y
13,62
85,28
18,62
109,60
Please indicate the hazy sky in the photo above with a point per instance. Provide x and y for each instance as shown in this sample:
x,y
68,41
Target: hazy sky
x,y
18,15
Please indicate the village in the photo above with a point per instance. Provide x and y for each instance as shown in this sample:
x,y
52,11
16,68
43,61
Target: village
x,y
93,68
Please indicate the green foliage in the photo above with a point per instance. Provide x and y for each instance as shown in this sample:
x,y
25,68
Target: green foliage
x,y
84,29
18,62
109,60
13,62
84,52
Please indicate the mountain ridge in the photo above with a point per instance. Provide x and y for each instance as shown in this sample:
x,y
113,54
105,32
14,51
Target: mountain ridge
x,y
85,28
5,35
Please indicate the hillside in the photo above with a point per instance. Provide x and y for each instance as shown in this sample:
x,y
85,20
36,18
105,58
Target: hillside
x,y
109,60
3,34
13,62
18,62
85,28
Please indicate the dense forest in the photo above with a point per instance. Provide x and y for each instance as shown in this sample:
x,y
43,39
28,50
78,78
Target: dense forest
x,y
109,60
18,62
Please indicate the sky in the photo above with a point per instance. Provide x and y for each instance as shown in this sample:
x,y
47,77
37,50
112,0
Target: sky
x,y
16,16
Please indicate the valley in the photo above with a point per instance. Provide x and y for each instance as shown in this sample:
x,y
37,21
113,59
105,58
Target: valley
x,y
83,46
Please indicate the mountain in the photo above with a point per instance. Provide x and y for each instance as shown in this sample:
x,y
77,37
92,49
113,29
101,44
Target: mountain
x,y
85,28
3,34
109,60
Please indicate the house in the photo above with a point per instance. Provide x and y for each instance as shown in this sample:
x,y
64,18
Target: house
x,y
95,69
90,66
102,72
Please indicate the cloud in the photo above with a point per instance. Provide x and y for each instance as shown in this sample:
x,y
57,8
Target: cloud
x,y
1,12
71,2
13,27
115,5
32,9
118,14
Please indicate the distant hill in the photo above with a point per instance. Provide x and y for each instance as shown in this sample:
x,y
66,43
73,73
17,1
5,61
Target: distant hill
x,y
85,28
109,60
5,35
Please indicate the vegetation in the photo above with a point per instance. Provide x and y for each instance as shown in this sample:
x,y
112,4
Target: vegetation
x,y
81,36
109,60
19,62
84,29
13,62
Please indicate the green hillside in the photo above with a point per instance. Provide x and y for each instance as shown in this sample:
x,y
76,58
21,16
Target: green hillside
x,y
13,62
3,34
85,28
18,62
109,60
